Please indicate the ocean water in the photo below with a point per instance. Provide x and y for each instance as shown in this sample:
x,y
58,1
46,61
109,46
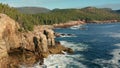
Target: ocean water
x,y
94,45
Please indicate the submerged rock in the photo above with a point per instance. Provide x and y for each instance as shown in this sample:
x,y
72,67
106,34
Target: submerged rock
x,y
64,35
69,50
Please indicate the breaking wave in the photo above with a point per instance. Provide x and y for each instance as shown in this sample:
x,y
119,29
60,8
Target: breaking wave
x,y
66,61
115,35
76,27
114,62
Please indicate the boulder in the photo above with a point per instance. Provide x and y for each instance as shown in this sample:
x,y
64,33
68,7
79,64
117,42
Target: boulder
x,y
69,50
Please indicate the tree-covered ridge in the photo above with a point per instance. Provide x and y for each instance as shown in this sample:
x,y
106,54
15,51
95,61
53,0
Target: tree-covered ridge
x,y
24,20
32,10
27,21
88,14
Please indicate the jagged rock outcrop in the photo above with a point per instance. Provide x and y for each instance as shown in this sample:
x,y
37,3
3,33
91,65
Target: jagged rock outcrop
x,y
27,41
17,48
38,40
41,41
50,37
9,32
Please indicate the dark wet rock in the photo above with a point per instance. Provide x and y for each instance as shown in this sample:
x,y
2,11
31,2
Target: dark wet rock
x,y
63,35
83,28
119,61
59,48
119,53
69,50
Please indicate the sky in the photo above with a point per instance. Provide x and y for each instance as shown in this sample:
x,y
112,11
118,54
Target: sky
x,y
52,4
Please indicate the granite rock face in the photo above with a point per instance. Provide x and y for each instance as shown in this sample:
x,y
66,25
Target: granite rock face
x,y
40,40
17,48
9,38
50,37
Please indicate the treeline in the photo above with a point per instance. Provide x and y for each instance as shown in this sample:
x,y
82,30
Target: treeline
x,y
27,21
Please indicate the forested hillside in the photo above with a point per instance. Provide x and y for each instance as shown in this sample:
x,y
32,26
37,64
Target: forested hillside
x,y
27,21
32,10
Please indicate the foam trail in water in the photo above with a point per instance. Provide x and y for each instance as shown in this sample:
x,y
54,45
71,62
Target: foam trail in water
x,y
116,55
114,35
63,61
76,27
66,61
114,62
67,35
75,47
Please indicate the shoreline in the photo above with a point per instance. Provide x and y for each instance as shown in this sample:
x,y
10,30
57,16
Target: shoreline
x,y
105,21
74,23
68,24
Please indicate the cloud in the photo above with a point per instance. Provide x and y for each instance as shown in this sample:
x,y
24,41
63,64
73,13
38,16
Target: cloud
x,y
113,6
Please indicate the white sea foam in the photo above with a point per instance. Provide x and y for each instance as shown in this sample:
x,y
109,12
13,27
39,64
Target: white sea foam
x,y
34,66
76,27
67,35
66,61
63,61
115,35
75,47
114,62
116,55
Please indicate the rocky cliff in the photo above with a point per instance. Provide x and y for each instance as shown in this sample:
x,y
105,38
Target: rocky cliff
x,y
9,38
18,48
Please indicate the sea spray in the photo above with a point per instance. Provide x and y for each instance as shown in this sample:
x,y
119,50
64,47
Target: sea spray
x,y
63,61
66,60
75,47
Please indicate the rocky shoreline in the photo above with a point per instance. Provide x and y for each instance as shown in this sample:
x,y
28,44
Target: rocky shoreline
x,y
102,22
68,24
26,48
73,23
